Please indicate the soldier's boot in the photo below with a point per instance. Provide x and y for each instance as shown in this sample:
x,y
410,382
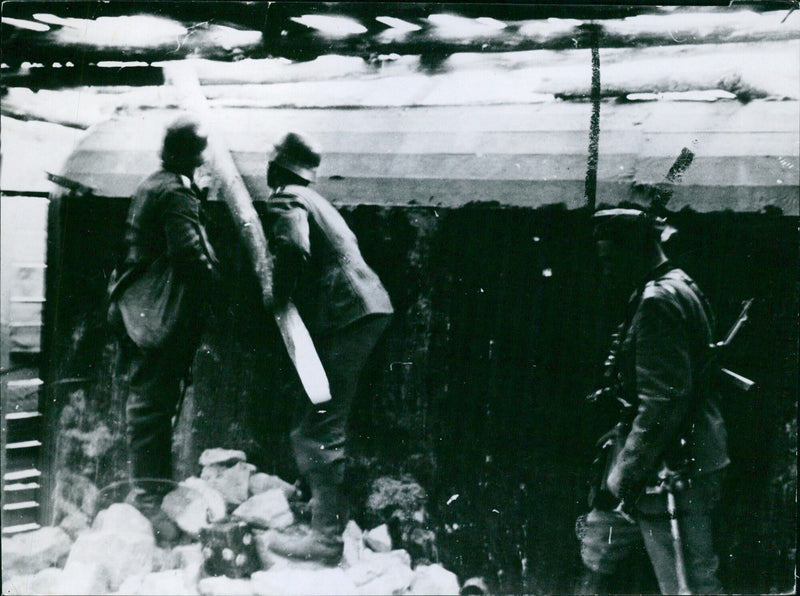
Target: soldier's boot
x,y
302,510
166,531
322,542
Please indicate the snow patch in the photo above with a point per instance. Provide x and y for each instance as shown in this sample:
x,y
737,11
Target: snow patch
x,y
331,26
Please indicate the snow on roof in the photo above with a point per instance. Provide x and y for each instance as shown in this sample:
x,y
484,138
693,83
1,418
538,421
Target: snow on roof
x,y
331,26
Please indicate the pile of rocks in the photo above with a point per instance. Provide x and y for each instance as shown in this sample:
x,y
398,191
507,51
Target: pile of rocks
x,y
118,554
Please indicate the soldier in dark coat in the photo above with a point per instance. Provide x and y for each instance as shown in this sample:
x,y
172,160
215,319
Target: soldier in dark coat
x,y
159,301
676,431
319,265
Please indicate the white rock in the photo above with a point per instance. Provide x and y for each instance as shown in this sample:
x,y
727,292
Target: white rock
x,y
162,560
218,456
185,554
262,548
166,583
187,508
46,582
233,482
19,585
353,538
298,581
131,585
261,483
81,578
119,553
122,518
434,580
378,539
217,509
30,552
189,558
193,505
382,573
269,509
399,554
75,523
225,586
394,581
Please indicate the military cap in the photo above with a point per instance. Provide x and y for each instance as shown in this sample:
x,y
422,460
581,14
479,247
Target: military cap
x,y
298,154
627,223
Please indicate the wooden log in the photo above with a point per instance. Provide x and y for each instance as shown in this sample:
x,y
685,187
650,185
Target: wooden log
x,y
746,70
432,37
235,194
47,77
140,37
760,70
452,34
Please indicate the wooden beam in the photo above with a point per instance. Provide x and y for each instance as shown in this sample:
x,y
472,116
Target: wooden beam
x,y
48,77
235,194
590,187
287,38
513,77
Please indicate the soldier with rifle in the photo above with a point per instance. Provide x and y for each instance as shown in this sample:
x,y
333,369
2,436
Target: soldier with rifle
x,y
668,453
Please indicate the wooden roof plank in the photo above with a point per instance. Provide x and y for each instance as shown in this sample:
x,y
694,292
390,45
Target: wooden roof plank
x,y
520,193
715,143
757,116
101,169
759,69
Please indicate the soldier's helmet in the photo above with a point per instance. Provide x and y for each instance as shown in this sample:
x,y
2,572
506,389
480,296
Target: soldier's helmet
x,y
298,154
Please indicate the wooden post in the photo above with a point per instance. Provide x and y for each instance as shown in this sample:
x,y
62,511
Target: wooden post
x,y
236,196
590,192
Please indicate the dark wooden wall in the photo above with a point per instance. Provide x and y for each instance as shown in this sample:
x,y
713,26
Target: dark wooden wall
x,y
477,387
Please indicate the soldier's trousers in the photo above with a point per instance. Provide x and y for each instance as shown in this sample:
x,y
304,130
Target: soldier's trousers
x,y
608,541
154,378
695,506
319,439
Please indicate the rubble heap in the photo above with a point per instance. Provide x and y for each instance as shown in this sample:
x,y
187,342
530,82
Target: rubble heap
x,y
119,554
